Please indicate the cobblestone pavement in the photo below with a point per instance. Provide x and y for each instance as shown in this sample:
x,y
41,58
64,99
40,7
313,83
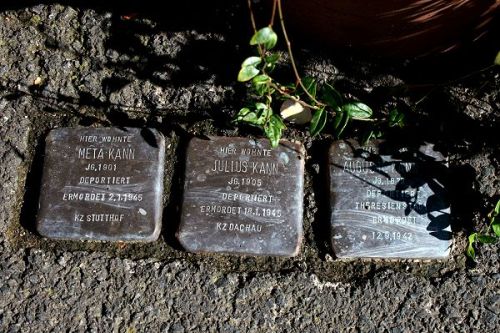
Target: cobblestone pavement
x,y
84,65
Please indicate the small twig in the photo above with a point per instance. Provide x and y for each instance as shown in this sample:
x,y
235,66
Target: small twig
x,y
294,98
273,13
290,53
254,26
252,17
366,119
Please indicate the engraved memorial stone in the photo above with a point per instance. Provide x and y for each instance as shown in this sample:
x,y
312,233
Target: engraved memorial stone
x,y
102,184
388,202
242,196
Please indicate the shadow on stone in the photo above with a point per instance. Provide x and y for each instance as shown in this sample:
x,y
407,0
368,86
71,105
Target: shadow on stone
x,y
320,228
32,188
390,200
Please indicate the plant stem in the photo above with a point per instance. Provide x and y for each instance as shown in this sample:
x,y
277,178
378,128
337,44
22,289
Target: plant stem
x,y
290,53
273,14
294,98
254,26
252,17
365,119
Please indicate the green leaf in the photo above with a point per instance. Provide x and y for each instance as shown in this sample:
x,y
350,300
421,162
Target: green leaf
x,y
357,110
310,85
274,129
247,73
371,135
247,115
342,124
264,113
260,83
337,119
495,225
400,120
261,79
331,97
243,112
486,239
261,89
497,59
266,37
272,58
470,252
251,61
257,117
396,118
260,106
495,219
271,61
470,249
318,122
368,136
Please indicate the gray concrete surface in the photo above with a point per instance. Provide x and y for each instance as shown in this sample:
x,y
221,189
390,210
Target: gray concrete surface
x,y
64,65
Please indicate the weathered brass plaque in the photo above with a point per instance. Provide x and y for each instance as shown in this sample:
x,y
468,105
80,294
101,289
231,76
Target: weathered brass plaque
x,y
388,201
102,184
243,197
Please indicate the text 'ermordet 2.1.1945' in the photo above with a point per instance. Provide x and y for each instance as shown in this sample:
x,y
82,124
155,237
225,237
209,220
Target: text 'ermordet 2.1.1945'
x,y
243,197
102,184
389,201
